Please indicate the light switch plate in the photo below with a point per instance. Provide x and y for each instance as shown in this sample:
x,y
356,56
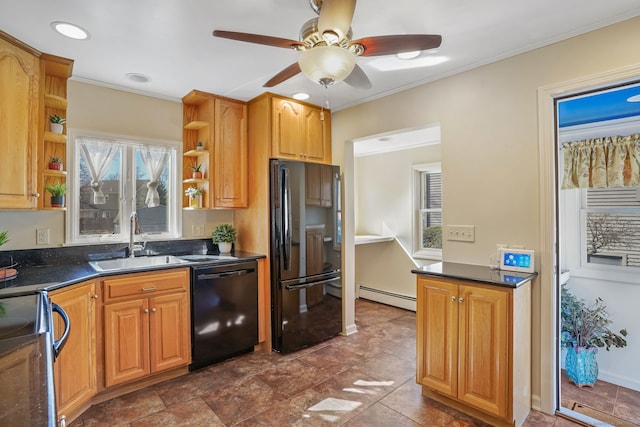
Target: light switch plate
x,y
461,233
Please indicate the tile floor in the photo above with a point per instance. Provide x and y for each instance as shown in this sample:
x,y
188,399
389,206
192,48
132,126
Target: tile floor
x,y
366,379
609,398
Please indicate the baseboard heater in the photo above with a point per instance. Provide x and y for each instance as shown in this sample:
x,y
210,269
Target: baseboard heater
x,y
386,297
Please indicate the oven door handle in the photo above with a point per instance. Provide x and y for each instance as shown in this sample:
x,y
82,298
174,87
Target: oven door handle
x,y
309,285
58,344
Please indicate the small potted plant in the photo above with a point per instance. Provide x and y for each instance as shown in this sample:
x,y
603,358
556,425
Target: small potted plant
x,y
224,235
55,163
55,123
197,170
199,146
57,191
584,329
195,196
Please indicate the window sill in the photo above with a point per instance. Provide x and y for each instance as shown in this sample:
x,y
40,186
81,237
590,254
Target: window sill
x,y
628,275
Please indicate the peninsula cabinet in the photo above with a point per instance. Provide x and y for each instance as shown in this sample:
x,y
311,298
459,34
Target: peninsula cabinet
x,y
474,347
146,324
75,368
20,106
220,125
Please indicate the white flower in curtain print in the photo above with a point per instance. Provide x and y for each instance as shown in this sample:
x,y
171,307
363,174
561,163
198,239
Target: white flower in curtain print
x,y
154,160
98,154
612,161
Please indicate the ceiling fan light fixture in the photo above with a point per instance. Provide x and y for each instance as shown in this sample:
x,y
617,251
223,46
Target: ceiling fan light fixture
x,y
335,18
326,65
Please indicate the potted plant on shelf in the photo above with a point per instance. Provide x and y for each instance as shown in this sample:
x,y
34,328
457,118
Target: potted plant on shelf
x,y
199,146
197,170
224,235
57,191
584,329
55,163
55,123
195,196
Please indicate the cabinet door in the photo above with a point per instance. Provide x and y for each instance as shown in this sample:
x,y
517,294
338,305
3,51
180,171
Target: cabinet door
x,y
169,324
317,139
483,345
288,132
319,185
126,341
19,79
437,335
231,182
75,368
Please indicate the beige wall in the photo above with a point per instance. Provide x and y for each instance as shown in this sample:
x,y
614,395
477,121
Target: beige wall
x,y
101,109
489,125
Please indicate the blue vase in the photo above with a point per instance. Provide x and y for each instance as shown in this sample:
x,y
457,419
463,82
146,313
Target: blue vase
x,y
582,366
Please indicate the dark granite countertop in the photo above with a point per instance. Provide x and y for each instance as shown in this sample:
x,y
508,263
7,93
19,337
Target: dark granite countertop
x,y
476,273
53,268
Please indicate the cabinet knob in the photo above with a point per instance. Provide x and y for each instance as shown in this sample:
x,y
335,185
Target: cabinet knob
x,y
95,296
453,298
460,300
153,310
36,194
146,310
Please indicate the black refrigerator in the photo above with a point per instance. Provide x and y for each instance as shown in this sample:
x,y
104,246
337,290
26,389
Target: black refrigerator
x,y
306,257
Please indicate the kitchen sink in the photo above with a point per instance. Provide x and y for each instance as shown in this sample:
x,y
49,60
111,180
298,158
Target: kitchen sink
x,y
201,258
123,264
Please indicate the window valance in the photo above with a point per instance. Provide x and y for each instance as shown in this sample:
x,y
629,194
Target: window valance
x,y
612,161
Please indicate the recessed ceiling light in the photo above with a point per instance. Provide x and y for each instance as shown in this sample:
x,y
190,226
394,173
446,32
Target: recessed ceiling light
x,y
634,98
408,55
70,30
138,77
300,96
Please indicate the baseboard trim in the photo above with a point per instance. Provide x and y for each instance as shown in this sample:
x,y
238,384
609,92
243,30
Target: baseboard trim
x,y
386,297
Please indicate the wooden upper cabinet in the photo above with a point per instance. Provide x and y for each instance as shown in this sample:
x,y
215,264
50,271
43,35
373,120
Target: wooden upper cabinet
x,y
221,125
230,156
19,124
300,131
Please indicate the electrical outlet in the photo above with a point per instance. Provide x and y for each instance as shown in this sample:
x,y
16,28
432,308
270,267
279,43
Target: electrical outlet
x,y
42,236
197,230
461,233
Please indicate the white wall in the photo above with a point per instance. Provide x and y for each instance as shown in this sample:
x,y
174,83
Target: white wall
x,y
489,127
102,109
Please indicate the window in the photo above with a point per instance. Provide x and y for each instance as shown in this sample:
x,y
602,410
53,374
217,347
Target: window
x,y
611,226
112,178
428,211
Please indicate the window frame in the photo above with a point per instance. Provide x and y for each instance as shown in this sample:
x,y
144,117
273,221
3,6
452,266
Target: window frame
x,y
416,191
127,188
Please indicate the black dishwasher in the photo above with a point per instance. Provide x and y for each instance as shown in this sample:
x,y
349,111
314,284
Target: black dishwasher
x,y
224,311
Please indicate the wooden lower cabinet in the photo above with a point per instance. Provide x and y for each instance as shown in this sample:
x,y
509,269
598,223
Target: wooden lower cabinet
x,y
474,347
75,368
146,324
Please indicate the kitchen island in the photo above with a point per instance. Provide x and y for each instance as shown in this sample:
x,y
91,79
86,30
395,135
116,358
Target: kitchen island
x,y
473,327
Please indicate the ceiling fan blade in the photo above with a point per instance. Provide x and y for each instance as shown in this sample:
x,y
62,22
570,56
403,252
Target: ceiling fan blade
x,y
358,79
259,39
283,75
386,45
335,19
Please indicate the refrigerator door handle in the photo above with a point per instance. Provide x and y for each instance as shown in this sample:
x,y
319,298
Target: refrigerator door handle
x,y
309,285
286,219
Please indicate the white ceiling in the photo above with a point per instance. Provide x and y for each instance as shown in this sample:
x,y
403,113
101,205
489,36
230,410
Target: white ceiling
x,y
171,41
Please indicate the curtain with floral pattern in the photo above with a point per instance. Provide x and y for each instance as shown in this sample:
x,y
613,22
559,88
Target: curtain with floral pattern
x,y
612,161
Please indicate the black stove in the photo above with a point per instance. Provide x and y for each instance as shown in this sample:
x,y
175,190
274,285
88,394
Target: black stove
x,y
22,315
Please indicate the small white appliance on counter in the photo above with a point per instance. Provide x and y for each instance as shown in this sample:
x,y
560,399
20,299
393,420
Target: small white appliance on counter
x,y
516,260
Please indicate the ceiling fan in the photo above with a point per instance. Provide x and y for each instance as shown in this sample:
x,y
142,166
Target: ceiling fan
x,y
328,54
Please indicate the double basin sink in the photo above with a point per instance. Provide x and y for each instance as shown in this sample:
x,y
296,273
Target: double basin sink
x,y
141,263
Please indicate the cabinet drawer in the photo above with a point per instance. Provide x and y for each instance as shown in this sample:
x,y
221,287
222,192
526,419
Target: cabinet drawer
x,y
137,284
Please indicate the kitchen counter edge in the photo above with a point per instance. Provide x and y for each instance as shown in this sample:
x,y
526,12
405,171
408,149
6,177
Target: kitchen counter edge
x,y
476,273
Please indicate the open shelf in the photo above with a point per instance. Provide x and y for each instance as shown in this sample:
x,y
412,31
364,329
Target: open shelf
x,y
55,137
196,153
53,172
55,101
196,124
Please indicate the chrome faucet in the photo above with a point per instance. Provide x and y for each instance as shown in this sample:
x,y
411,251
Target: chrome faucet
x,y
134,228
